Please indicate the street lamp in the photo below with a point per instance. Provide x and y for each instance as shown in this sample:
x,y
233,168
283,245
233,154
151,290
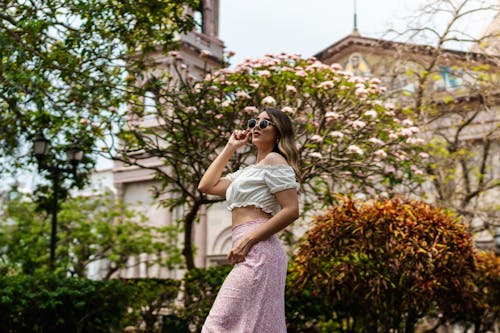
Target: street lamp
x,y
41,147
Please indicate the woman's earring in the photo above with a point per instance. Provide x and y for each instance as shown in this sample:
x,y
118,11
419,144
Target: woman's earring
x,y
278,140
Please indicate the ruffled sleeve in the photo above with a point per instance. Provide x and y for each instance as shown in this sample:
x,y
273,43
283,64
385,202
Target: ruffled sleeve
x,y
280,178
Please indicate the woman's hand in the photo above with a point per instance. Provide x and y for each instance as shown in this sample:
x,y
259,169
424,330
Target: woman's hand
x,y
240,250
238,138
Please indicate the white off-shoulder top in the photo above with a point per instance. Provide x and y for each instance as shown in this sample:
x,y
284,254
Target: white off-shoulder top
x,y
255,185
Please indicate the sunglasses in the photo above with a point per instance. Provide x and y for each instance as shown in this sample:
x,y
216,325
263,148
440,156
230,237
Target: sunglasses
x,y
262,124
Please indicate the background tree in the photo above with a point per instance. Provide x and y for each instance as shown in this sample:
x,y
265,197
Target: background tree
x,y
455,100
347,137
381,265
64,67
93,230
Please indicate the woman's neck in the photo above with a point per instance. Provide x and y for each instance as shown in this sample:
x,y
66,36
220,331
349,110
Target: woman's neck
x,y
262,153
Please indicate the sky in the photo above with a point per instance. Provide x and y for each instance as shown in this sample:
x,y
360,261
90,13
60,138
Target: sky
x,y
252,28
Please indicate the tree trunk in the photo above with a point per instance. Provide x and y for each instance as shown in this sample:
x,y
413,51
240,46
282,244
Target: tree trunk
x,y
189,219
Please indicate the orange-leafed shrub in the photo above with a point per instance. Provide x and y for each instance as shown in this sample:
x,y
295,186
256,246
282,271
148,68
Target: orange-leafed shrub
x,y
380,265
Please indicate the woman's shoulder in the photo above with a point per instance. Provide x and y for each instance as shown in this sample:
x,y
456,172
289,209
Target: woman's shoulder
x,y
274,159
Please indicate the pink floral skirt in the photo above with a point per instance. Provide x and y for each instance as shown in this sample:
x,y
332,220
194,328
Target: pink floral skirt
x,y
252,298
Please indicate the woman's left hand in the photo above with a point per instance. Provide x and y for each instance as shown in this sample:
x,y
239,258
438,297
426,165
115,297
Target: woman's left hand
x,y
240,250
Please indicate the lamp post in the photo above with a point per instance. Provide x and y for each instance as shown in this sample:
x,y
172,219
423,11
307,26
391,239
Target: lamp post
x,y
41,147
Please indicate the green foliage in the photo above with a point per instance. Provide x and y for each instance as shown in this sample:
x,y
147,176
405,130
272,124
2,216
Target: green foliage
x,y
150,296
381,265
200,289
97,229
47,303
64,67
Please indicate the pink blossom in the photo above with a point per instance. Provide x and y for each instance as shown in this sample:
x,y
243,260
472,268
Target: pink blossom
x,y
316,155
405,132
389,106
414,129
371,113
268,100
227,103
390,169
85,121
407,122
251,109
326,85
301,73
316,138
287,109
354,150
208,77
219,116
361,92
416,170
264,73
375,81
331,116
415,141
337,134
254,85
290,88
380,154
358,124
423,155
336,67
376,141
242,94
190,109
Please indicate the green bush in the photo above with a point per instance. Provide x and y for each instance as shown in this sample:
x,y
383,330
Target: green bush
x,y
201,287
149,296
46,303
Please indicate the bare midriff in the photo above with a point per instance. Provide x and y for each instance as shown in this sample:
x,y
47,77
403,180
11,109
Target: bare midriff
x,y
248,213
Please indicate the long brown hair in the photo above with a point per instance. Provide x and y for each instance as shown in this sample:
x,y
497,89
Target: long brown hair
x,y
285,144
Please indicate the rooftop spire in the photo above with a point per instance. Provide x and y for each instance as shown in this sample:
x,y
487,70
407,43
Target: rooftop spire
x,y
355,28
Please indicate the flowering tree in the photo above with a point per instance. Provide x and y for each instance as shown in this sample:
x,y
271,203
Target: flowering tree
x,y
348,139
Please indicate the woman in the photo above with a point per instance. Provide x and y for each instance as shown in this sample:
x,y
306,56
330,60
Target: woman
x,y
263,200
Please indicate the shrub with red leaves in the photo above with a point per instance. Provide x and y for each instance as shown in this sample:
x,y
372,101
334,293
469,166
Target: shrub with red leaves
x,y
381,265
